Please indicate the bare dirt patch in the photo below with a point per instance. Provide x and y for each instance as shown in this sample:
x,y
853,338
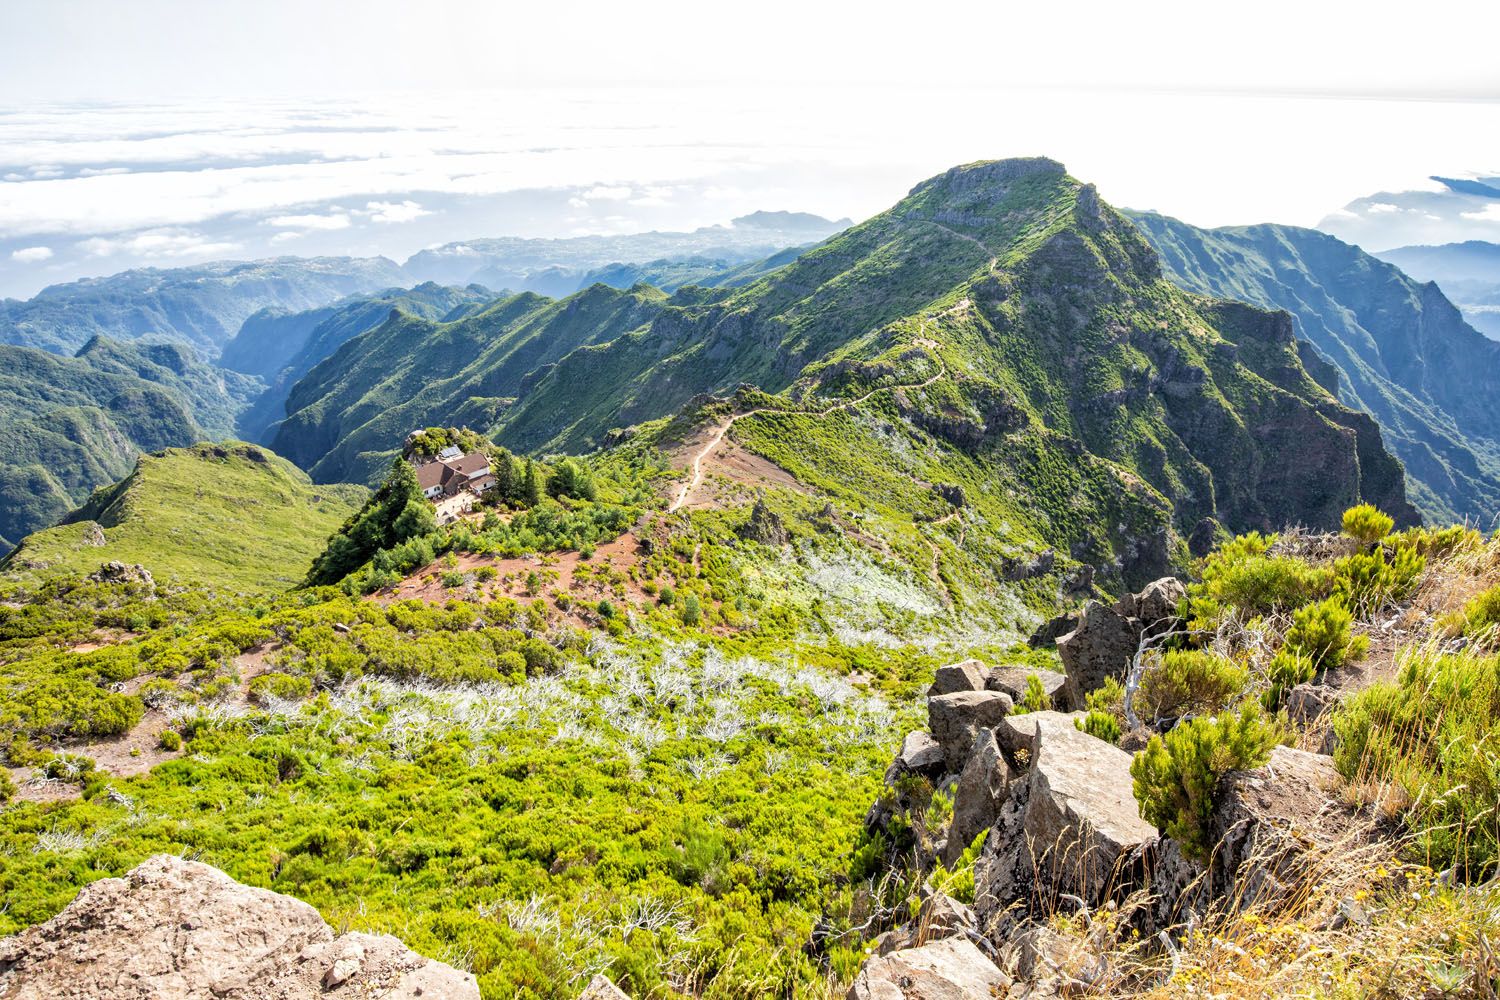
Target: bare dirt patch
x,y
586,581
136,751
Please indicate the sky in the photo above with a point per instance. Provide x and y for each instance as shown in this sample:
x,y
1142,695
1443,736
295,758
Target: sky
x,y
163,132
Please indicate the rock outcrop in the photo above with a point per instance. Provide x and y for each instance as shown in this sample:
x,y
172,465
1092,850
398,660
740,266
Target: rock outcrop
x,y
1071,826
1101,647
950,969
956,719
180,930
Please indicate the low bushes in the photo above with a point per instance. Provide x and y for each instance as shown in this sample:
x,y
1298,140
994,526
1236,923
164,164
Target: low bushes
x,y
1433,736
1176,778
1189,681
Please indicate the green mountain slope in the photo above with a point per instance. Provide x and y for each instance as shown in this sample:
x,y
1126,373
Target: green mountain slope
x,y
68,425
231,515
1044,361
1402,351
1468,272
203,305
351,412
283,346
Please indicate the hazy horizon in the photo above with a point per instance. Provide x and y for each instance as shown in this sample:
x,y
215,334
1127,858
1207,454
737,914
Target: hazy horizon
x,y
459,122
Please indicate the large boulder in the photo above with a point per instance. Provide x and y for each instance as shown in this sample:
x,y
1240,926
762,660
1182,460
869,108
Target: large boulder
x,y
179,930
1276,831
1102,646
1017,734
982,788
1157,602
950,969
1071,826
955,720
954,677
920,754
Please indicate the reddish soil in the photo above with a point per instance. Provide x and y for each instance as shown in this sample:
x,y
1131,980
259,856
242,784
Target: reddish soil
x,y
607,570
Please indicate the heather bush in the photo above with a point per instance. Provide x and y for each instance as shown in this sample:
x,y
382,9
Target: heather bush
x,y
1176,779
1367,524
1189,681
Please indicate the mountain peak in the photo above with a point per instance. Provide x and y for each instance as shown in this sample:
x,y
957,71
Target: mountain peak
x,y
980,173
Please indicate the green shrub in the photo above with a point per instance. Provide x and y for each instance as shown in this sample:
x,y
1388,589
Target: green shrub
x,y
279,685
1480,619
1320,639
1100,725
1176,778
1241,577
1189,681
1034,698
1367,524
1367,582
7,787
692,610
668,597
1106,712
1323,633
169,740
1435,735
958,882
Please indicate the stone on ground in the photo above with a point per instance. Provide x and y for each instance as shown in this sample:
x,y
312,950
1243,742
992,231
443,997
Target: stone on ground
x,y
955,720
950,969
966,676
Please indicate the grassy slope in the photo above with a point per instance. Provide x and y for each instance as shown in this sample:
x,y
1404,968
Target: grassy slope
x,y
230,516
1402,352
69,425
354,408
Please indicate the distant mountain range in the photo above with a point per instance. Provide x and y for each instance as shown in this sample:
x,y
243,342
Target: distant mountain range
x,y
203,305
1469,273
558,267
1401,350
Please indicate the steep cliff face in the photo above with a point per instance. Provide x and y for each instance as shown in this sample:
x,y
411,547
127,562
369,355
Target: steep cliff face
x,y
1399,350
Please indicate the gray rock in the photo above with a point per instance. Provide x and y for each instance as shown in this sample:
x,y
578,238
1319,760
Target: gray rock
x,y
118,572
1157,602
1308,703
950,969
1013,680
1277,830
1018,732
179,930
955,720
920,754
968,675
1071,826
983,786
1102,646
940,916
602,988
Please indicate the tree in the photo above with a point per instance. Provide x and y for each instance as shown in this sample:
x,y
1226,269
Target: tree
x,y
398,511
507,477
570,479
531,485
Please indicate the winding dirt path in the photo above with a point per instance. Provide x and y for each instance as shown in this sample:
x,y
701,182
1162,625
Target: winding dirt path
x,y
696,480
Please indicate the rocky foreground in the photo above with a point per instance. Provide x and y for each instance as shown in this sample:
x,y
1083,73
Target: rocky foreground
x,y
1064,829
179,930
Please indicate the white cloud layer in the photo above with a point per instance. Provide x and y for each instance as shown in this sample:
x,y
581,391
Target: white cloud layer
x,y
31,255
